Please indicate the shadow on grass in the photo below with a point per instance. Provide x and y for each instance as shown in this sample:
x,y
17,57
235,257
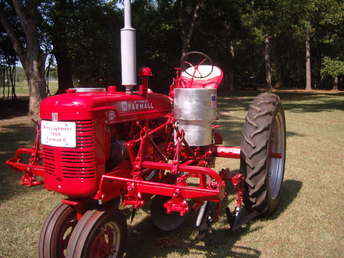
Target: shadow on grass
x,y
290,190
222,244
151,242
322,104
13,137
10,109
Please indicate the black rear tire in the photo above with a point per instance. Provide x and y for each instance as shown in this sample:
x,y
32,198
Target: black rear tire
x,y
56,232
263,153
99,233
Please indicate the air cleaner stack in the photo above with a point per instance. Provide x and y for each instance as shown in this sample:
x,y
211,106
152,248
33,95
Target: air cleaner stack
x,y
128,50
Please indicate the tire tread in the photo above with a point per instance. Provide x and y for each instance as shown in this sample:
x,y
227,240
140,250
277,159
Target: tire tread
x,y
254,151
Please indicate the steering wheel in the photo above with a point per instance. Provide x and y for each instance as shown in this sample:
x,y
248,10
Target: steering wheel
x,y
195,59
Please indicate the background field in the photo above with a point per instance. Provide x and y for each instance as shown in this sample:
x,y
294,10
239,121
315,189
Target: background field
x,y
23,90
309,222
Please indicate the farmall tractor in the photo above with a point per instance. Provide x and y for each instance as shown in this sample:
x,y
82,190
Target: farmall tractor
x,y
105,149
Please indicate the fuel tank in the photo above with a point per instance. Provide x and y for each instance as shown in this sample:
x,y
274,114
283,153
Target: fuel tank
x,y
195,109
73,134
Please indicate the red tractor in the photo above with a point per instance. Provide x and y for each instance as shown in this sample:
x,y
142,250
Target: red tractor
x,y
105,149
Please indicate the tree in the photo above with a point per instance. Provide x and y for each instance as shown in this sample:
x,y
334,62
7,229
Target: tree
x,y
314,16
8,60
60,38
92,41
333,68
254,42
29,47
330,40
218,33
265,21
188,14
308,58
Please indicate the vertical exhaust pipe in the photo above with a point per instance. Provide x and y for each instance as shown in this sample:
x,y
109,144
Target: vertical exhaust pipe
x,y
128,50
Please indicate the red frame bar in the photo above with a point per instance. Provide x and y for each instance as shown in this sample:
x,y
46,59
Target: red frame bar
x,y
217,192
190,169
187,192
16,163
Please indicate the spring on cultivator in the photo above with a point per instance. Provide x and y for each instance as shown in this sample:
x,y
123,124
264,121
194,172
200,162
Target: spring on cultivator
x,y
106,150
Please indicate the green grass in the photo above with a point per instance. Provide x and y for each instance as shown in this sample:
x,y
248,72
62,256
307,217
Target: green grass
x,y
23,90
308,223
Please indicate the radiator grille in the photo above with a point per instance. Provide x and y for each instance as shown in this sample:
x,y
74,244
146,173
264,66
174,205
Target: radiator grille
x,y
79,162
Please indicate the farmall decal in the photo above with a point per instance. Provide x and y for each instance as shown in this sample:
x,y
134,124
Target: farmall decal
x,y
136,105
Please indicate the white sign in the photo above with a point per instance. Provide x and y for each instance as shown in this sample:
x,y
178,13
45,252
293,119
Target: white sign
x,y
58,134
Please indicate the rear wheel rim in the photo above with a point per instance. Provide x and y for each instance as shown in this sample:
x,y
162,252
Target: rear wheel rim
x,y
106,242
277,146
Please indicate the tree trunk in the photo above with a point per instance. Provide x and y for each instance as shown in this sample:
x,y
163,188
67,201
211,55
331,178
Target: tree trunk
x,y
29,51
187,35
64,72
13,82
230,72
335,83
267,58
35,75
308,62
34,67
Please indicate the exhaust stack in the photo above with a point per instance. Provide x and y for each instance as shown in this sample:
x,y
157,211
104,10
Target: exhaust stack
x,y
128,50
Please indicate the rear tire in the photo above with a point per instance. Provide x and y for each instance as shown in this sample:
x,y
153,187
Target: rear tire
x,y
98,234
56,232
264,134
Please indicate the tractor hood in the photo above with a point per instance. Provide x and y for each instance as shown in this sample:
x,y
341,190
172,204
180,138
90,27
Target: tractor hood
x,y
88,105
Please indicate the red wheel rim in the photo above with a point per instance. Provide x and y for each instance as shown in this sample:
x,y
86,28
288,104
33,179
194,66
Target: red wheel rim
x,y
106,243
65,234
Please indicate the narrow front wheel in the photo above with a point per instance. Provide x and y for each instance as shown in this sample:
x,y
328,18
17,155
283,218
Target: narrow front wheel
x,y
56,232
98,234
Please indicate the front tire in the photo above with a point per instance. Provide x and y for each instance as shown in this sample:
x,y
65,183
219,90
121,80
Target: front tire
x,y
263,153
56,232
99,233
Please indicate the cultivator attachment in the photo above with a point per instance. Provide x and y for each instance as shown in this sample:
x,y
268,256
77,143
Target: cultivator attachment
x,y
107,149
31,168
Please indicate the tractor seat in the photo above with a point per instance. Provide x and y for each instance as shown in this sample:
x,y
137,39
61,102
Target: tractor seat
x,y
211,80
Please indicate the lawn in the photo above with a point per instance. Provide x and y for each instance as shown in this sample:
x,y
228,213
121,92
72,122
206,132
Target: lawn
x,y
308,223
23,90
